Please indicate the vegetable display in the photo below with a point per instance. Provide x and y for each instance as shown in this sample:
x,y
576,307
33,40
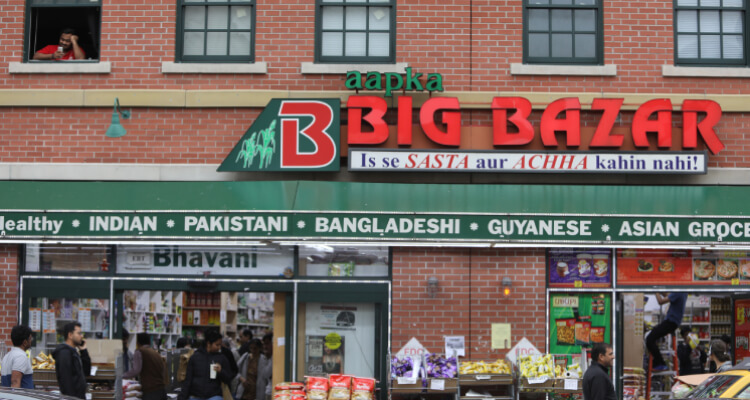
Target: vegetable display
x,y
402,368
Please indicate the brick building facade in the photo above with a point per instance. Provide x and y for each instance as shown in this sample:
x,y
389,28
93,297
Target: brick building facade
x,y
187,116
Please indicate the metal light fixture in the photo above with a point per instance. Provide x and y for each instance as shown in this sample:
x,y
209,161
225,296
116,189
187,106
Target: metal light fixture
x,y
507,284
432,287
116,130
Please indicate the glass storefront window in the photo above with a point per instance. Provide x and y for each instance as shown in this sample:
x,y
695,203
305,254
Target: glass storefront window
x,y
68,258
343,261
48,316
336,338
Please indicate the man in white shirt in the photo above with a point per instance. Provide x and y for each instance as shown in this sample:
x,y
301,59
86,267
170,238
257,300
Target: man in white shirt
x,y
16,367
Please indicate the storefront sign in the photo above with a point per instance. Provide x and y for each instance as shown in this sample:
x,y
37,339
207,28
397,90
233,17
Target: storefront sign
x,y
587,323
412,349
579,268
303,135
682,267
187,260
522,161
391,81
500,228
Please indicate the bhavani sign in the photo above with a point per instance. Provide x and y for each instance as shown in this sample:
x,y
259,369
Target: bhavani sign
x,y
304,135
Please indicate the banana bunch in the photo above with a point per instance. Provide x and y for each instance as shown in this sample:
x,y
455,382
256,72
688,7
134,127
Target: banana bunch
x,y
537,367
43,361
480,367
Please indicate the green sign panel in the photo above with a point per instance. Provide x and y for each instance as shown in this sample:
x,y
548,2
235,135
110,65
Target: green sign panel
x,y
579,320
290,135
374,226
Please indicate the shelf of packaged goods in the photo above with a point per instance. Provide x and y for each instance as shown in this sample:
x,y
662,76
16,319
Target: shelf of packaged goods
x,y
201,308
162,333
697,323
721,323
253,324
486,398
199,326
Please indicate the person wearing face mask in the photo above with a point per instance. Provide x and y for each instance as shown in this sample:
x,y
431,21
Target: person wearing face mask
x,y
16,367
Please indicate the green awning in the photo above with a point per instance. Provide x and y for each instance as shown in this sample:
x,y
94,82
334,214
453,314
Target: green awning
x,y
308,210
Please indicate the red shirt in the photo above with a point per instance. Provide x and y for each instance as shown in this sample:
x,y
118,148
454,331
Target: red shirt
x,y
51,49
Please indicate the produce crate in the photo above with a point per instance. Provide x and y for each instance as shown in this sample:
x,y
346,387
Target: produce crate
x,y
560,385
485,379
45,377
450,385
549,384
407,387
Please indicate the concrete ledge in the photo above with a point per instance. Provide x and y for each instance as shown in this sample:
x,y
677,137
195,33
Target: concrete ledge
x,y
576,70
134,98
313,68
60,67
41,98
169,67
705,72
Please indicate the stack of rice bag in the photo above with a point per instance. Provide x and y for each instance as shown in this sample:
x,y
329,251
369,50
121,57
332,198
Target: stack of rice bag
x,y
131,390
334,387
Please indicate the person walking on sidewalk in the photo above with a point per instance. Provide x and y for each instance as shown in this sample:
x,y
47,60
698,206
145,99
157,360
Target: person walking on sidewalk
x,y
72,362
16,366
669,325
596,382
206,371
151,368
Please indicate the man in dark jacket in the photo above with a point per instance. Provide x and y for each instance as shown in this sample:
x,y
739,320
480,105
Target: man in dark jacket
x,y
151,368
198,383
72,362
597,384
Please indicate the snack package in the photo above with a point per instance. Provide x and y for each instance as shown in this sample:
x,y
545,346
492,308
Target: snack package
x,y
363,388
317,388
340,387
583,333
597,334
566,331
289,386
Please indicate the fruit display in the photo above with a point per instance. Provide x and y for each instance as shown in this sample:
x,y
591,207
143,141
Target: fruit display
x,y
480,367
404,367
43,361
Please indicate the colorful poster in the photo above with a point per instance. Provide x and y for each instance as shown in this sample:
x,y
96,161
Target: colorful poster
x,y
580,267
741,328
324,356
682,267
579,320
48,321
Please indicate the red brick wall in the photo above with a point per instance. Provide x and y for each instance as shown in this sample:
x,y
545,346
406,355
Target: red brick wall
x,y
472,48
8,290
469,299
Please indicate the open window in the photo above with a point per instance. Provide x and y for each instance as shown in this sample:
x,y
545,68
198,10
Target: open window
x,y
47,18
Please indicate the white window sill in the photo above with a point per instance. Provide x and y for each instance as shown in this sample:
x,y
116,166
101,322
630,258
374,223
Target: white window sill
x,y
169,67
549,69
705,72
60,67
313,68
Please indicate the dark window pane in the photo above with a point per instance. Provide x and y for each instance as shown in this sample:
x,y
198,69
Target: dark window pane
x,y
585,21
562,20
539,20
539,45
562,45
585,46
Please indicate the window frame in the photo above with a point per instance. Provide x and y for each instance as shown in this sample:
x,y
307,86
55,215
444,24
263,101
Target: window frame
x,y
28,51
598,8
319,58
710,62
228,59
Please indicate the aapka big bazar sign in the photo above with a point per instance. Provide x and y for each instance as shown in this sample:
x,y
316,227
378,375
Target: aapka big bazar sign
x,y
304,134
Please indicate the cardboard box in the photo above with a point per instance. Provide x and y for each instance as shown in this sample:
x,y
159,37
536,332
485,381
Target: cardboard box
x,y
449,385
103,351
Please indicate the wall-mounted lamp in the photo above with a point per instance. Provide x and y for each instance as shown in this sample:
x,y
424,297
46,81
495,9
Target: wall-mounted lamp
x,y
116,130
507,285
432,287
